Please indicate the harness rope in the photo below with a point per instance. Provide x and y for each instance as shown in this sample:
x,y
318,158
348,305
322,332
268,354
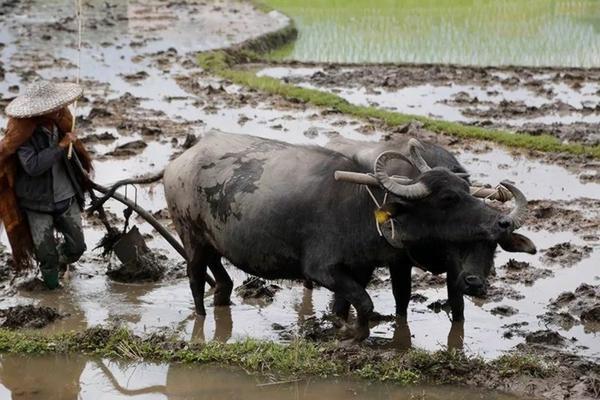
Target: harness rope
x,y
78,14
378,207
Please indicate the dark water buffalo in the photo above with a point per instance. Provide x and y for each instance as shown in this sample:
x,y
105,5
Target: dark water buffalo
x,y
424,155
275,210
365,154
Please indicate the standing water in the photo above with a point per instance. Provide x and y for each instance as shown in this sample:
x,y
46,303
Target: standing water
x,y
75,377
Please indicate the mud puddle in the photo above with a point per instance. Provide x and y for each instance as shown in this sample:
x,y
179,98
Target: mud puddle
x,y
82,378
173,99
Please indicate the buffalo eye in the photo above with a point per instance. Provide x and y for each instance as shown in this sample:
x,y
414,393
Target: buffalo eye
x,y
448,199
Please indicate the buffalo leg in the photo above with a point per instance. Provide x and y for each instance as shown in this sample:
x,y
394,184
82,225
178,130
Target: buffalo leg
x,y
340,282
401,278
455,298
341,306
196,271
224,284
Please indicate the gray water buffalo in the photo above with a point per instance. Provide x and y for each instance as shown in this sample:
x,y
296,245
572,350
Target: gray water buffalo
x,y
275,210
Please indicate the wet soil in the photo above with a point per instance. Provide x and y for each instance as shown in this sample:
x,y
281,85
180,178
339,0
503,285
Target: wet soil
x,y
566,254
559,101
28,316
257,289
177,102
582,303
147,267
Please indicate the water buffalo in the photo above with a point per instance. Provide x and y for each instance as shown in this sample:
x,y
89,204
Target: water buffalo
x,y
275,210
365,154
424,155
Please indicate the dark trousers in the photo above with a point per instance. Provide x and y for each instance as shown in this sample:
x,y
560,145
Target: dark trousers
x,y
48,252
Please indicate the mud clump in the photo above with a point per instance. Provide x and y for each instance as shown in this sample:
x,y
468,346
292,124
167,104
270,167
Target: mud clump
x,y
591,314
566,254
439,305
318,329
584,303
255,288
27,317
522,272
546,337
147,267
504,311
128,149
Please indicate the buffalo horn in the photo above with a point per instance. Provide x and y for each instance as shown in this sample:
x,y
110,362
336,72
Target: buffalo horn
x,y
517,214
415,148
408,191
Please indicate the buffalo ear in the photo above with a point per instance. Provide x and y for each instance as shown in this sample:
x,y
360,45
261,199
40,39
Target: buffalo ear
x,y
517,243
392,210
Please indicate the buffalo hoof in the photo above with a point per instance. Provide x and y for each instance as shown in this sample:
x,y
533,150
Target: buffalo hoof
x,y
345,331
361,332
356,334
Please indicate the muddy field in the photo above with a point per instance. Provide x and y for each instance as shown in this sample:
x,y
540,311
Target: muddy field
x,y
559,101
146,101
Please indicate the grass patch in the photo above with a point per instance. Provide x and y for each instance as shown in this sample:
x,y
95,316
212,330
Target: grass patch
x,y
523,364
298,359
223,62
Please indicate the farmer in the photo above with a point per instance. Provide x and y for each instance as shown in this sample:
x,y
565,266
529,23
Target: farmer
x,y
41,190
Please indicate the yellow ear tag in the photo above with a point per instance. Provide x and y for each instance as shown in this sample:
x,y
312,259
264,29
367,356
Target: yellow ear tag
x,y
382,216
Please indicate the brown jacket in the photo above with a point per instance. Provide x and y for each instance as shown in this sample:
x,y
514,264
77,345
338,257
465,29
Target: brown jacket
x,y
18,131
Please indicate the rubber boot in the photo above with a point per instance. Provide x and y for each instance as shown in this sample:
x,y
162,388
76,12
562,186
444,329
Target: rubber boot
x,y
50,278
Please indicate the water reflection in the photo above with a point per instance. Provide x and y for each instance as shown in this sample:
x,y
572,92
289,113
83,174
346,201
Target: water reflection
x,y
223,325
64,377
402,336
52,377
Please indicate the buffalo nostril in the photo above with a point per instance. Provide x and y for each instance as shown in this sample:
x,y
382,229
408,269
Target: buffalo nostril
x,y
474,281
504,223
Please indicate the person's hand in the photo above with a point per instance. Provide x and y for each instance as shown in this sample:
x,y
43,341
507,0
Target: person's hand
x,y
69,138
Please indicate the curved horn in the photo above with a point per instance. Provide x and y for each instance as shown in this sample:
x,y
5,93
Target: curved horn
x,y
517,214
415,148
412,191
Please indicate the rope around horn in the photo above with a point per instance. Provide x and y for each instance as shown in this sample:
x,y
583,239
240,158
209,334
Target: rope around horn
x,y
78,14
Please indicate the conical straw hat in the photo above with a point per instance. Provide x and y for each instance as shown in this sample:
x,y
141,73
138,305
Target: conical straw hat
x,y
43,97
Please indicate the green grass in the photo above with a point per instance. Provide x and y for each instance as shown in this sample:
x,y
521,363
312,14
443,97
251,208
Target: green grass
x,y
298,359
223,64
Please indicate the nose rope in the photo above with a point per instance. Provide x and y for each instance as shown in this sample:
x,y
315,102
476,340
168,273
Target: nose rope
x,y
377,225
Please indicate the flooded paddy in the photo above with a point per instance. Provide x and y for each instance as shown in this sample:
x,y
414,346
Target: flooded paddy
x,y
509,32
146,101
